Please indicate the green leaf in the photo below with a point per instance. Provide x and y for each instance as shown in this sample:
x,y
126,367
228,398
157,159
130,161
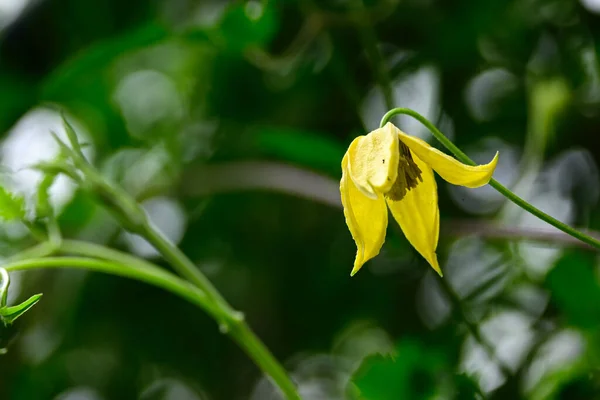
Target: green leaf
x,y
73,139
10,314
12,207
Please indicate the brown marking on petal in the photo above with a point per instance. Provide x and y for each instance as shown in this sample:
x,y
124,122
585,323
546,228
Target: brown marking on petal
x,y
409,175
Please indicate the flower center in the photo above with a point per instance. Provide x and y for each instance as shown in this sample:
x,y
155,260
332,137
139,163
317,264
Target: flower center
x,y
409,175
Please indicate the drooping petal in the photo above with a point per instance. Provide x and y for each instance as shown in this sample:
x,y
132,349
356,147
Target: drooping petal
x,y
448,167
418,215
374,163
366,218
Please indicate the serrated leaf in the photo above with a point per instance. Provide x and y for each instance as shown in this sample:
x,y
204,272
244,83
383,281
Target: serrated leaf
x,y
12,207
10,314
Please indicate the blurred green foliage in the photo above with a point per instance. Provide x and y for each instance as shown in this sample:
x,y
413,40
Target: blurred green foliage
x,y
410,373
164,89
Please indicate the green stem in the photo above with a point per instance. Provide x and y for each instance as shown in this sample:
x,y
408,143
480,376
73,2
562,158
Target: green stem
x,y
87,249
133,217
38,251
226,316
153,276
236,327
493,183
149,273
183,265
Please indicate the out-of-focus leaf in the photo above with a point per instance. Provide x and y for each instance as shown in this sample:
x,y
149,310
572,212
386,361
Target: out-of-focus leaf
x,y
247,24
564,384
301,147
548,100
412,373
575,289
98,56
560,360
12,207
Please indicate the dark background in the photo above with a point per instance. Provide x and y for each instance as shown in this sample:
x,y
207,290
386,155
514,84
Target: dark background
x,y
228,120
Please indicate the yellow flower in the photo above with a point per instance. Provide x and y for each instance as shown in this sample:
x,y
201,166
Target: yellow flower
x,y
389,167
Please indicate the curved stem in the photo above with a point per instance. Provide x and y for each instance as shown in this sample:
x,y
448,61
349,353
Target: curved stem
x,y
238,329
493,183
153,275
87,249
184,266
149,273
133,218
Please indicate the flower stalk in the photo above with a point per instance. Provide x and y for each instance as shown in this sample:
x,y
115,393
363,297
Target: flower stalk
x,y
493,183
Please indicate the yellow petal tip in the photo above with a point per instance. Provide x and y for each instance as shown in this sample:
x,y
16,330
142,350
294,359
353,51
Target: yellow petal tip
x,y
494,162
354,271
435,265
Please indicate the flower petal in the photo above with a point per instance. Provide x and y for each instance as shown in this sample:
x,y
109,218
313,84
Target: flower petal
x,y
366,218
373,165
418,215
448,167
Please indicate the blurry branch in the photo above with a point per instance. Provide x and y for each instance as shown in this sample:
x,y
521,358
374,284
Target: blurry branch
x,y
492,231
358,17
380,69
308,33
473,327
238,176
317,22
